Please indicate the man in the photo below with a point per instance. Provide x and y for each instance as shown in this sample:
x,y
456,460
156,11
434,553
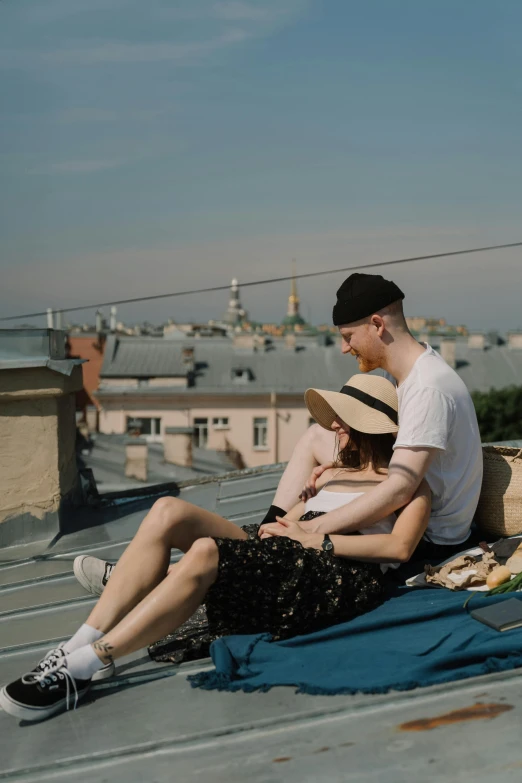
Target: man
x,y
438,436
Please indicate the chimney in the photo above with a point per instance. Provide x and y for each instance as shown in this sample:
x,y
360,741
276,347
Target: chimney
x,y
50,318
38,475
114,311
291,341
243,340
99,322
177,446
447,351
91,418
477,340
136,458
515,341
59,320
187,359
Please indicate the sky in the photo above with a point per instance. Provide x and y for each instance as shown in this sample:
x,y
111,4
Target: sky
x,y
148,147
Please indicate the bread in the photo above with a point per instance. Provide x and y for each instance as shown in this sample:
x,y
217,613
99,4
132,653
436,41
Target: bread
x,y
498,576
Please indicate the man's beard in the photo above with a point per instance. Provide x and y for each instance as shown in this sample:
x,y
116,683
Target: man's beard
x,y
367,365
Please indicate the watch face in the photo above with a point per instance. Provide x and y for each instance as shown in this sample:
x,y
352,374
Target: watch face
x,y
327,546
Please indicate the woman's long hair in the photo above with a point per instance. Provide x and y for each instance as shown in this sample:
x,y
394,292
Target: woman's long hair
x,y
364,450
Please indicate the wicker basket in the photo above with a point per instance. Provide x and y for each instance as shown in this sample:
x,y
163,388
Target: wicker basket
x,y
499,511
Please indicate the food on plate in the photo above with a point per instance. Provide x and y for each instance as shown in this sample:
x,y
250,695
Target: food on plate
x,y
498,576
515,561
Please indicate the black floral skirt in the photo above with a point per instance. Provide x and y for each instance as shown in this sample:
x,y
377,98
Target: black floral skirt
x,y
275,586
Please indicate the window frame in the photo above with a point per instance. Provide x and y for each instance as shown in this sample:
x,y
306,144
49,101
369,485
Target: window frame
x,y
155,435
220,422
257,429
198,426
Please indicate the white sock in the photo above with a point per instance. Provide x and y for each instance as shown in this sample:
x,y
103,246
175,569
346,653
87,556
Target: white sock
x,y
85,634
83,662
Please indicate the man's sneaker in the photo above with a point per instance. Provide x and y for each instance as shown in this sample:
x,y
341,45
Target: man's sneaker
x,y
38,695
55,657
92,573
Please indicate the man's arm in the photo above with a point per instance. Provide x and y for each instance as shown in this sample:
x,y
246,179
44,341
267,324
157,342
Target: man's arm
x,y
407,468
397,546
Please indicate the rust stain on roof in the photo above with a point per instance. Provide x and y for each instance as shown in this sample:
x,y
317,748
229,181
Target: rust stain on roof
x,y
474,712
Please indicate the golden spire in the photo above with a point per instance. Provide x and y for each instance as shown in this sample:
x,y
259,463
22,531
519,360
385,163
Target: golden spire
x,y
293,299
293,288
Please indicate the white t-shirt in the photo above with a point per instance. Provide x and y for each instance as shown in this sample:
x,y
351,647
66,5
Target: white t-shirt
x,y
436,411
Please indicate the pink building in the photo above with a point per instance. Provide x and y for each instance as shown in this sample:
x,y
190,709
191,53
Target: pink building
x,y
241,397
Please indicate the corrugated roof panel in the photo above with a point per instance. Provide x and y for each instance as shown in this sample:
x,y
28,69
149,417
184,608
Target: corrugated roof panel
x,y
147,723
281,368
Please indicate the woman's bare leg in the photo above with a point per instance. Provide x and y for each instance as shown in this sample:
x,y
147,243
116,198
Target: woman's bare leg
x,y
164,609
315,447
171,523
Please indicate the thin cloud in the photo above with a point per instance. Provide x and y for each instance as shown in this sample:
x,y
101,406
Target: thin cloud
x,y
85,115
77,166
125,52
223,24
54,10
252,12
236,10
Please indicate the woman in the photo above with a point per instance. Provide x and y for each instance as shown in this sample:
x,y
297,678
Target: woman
x,y
277,578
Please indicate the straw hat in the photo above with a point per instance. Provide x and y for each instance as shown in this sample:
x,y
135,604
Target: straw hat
x,y
367,403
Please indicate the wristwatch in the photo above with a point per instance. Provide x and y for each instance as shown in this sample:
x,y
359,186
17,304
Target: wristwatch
x,y
327,545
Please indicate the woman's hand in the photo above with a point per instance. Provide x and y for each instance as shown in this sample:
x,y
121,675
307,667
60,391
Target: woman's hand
x,y
309,490
290,529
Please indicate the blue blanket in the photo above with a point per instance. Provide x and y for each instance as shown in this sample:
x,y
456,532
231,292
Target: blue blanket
x,y
416,638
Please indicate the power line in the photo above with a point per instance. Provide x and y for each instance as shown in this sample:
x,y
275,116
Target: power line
x,y
266,281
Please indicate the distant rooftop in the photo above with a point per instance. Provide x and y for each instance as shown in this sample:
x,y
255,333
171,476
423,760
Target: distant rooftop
x,y
107,461
272,367
275,366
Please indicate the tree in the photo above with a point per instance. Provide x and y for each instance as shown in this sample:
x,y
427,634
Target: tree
x,y
499,413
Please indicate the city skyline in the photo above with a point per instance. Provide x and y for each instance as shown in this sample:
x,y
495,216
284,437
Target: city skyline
x,y
193,144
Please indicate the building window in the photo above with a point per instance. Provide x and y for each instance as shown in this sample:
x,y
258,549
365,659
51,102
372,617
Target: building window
x,y
260,433
220,423
148,427
201,433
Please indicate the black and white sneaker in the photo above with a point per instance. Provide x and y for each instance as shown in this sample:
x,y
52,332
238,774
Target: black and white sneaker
x,y
55,657
92,573
50,660
38,695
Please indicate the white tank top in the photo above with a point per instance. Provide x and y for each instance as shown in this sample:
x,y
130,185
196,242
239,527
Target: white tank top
x,y
329,501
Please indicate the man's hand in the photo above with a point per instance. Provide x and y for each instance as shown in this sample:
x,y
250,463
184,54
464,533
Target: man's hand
x,y
309,490
289,529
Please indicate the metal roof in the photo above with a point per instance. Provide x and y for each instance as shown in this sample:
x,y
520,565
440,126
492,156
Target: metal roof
x,y
492,368
31,348
107,462
148,724
133,357
279,368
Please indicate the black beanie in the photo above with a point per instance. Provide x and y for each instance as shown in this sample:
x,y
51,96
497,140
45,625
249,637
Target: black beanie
x,y
361,295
